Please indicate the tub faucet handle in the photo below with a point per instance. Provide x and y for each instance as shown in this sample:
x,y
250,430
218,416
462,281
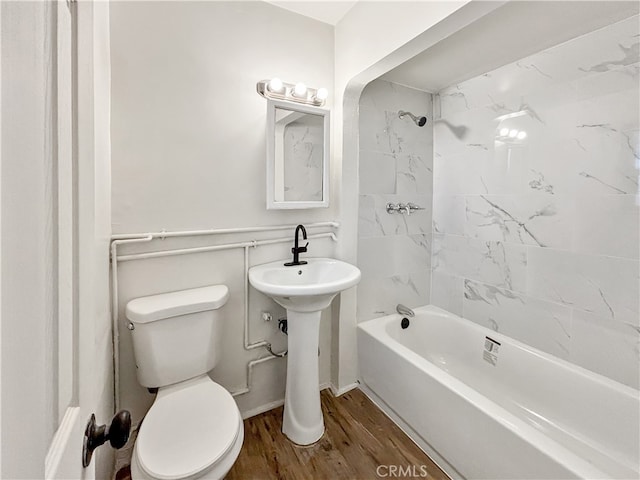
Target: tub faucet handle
x,y
413,207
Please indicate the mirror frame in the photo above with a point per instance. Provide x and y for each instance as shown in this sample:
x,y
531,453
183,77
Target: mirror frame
x,y
272,204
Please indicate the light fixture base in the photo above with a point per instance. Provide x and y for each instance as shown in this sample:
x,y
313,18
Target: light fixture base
x,y
288,94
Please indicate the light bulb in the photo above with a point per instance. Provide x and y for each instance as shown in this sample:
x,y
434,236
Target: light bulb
x,y
275,85
300,90
513,133
322,94
504,132
521,135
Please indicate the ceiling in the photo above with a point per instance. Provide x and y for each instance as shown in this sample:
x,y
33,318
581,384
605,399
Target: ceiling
x,y
327,11
509,33
513,31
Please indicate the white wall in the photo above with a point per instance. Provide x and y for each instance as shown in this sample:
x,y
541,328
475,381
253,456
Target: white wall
x,y
188,152
188,126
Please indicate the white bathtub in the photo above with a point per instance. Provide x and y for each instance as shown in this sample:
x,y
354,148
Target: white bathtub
x,y
531,415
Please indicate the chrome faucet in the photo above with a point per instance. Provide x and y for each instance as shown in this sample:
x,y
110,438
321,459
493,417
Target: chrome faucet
x,y
298,250
406,311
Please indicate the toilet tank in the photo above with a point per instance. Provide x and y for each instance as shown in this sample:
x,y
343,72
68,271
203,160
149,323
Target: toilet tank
x,y
176,335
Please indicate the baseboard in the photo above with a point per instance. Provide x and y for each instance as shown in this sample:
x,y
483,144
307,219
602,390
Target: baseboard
x,y
445,466
278,403
337,392
262,408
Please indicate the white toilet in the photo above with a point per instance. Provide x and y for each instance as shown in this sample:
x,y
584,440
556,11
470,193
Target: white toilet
x,y
193,429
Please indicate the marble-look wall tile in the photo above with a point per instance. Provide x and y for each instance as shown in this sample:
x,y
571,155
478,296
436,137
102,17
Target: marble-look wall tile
x,y
495,263
584,88
583,159
543,325
377,132
617,111
608,49
535,219
552,162
377,172
607,225
605,286
395,166
449,214
382,95
545,227
609,348
394,255
447,292
374,221
378,295
460,133
414,173
384,131
609,163
481,170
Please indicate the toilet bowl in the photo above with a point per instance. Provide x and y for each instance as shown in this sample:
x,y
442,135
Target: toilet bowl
x,y
194,429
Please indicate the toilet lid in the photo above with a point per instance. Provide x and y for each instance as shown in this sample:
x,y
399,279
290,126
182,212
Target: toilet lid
x,y
187,430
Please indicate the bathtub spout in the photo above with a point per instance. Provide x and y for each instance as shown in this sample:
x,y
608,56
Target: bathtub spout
x,y
402,310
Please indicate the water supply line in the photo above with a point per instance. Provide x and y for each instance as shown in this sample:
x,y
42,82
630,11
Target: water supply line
x,y
115,328
247,344
127,239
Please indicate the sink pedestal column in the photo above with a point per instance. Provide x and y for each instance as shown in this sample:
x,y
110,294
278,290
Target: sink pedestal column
x,y
302,421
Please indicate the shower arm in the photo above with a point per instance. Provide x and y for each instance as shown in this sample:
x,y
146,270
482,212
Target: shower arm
x,y
419,121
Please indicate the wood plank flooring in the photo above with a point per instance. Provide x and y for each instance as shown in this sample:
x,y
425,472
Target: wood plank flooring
x,y
360,442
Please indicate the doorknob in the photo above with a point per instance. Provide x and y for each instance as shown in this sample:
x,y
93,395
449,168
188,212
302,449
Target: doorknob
x,y
95,435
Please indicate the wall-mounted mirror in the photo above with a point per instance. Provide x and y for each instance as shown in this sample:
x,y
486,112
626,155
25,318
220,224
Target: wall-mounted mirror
x,y
297,156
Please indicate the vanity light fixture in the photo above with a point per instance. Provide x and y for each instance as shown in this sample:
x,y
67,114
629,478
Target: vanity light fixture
x,y
275,85
322,94
298,92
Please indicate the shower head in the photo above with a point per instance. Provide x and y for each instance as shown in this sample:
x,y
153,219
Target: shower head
x,y
419,121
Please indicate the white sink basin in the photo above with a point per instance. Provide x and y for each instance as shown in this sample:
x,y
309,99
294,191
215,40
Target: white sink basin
x,y
304,288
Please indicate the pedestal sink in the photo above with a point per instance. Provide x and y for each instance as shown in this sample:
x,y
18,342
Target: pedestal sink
x,y
304,290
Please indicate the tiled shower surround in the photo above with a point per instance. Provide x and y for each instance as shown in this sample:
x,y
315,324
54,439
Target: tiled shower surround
x,y
535,235
396,165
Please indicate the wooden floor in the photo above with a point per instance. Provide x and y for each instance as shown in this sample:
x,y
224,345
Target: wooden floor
x,y
360,442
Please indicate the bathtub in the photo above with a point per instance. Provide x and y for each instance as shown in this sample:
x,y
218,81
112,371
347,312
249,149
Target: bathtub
x,y
483,405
